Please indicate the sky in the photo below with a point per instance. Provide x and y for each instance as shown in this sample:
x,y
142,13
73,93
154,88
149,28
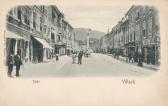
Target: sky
x,y
99,15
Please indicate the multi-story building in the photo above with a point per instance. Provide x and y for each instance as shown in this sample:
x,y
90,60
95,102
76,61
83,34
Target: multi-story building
x,y
135,30
70,38
125,35
116,36
36,32
144,32
57,32
137,33
151,35
24,32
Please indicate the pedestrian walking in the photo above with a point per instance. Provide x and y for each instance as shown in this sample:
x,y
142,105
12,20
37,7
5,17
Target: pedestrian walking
x,y
52,56
126,55
132,56
140,60
117,54
80,57
76,57
135,57
10,63
73,58
18,63
148,58
129,56
57,57
114,54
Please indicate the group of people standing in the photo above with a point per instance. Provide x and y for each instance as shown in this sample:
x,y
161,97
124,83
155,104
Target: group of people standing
x,y
130,56
14,60
77,57
135,57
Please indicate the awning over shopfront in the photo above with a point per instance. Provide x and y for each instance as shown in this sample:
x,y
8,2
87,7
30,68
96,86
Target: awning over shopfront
x,y
44,43
11,35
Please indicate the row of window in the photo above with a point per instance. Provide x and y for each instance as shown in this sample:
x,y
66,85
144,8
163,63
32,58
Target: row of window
x,y
23,17
22,14
132,36
53,37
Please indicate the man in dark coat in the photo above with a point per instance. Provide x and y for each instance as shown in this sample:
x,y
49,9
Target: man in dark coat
x,y
10,63
80,57
148,58
56,56
140,60
18,63
129,56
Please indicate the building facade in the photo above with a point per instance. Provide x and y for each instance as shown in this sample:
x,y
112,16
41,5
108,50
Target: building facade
x,y
36,32
138,33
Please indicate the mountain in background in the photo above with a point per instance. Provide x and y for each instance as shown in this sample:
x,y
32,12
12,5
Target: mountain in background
x,y
81,34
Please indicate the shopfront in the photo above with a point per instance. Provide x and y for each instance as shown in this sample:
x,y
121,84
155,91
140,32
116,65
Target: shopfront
x,y
60,48
16,43
131,47
41,49
151,51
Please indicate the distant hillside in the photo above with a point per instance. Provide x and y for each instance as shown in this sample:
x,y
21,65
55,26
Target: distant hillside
x,y
81,34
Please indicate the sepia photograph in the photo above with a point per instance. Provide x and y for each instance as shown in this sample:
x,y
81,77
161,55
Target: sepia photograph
x,y
42,41
83,53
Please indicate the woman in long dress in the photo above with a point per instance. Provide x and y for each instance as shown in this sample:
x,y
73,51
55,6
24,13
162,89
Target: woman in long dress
x,y
73,58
